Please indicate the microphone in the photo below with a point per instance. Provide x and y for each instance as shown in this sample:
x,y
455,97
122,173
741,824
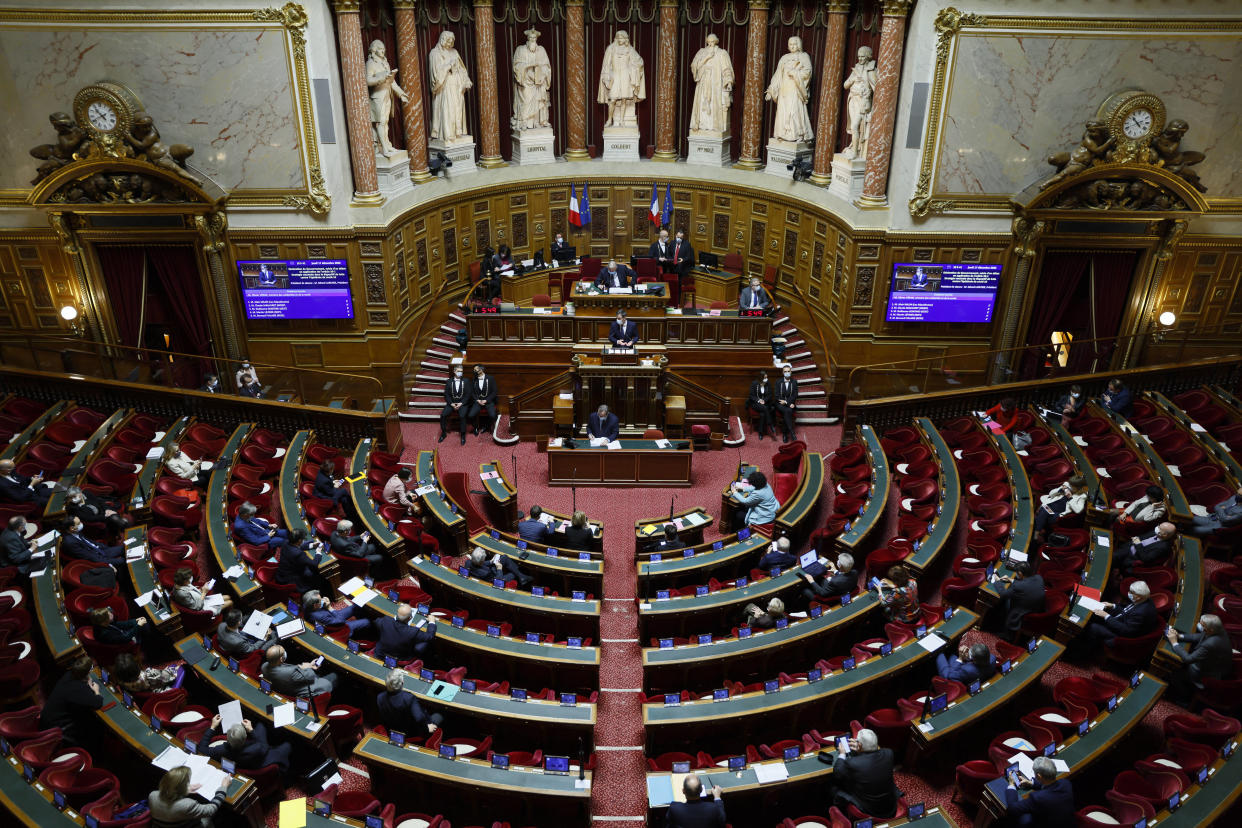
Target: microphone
x,y
581,759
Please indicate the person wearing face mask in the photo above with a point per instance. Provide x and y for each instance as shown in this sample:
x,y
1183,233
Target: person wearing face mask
x,y
683,254
76,545
92,508
1136,617
1071,405
761,402
456,397
786,401
754,297
211,384
483,398
622,333
1204,653
245,374
1150,549
614,276
561,251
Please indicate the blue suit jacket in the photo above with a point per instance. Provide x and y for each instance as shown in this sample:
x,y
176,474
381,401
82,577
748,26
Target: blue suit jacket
x,y
534,530
616,333
1132,620
253,531
608,428
1052,806
401,712
964,671
706,813
76,546
1120,402
401,640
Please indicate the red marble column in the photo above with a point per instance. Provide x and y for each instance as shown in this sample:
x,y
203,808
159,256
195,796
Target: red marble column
x,y
884,104
357,101
830,93
489,105
666,84
575,81
414,118
752,96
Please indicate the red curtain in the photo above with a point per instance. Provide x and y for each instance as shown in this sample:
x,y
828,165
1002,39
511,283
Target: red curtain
x,y
1062,271
1113,271
122,271
174,272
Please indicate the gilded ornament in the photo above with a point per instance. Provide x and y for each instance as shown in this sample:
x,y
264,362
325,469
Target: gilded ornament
x,y
948,23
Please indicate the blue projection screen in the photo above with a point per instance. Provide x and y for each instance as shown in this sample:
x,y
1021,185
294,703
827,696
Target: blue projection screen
x,y
943,292
296,289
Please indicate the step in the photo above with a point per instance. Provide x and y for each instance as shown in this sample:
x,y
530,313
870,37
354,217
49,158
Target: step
x,y
426,402
437,364
440,352
451,329
457,317
431,391
779,320
421,414
445,341
437,378
818,420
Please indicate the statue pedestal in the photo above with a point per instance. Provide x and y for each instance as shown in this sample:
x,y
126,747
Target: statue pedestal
x,y
620,144
393,173
460,152
782,153
847,176
533,146
708,149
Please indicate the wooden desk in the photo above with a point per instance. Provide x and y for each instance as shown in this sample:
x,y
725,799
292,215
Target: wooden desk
x,y
144,489
628,382
797,515
501,495
522,289
291,501
142,573
682,615
78,462
219,530
1095,575
689,522
1200,436
49,608
588,300
1188,602
937,537
681,568
436,507
360,493
853,539
1205,804
636,463
564,570
1179,506
478,791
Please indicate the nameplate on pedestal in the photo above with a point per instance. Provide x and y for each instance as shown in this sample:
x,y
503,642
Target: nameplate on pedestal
x,y
533,146
708,150
620,144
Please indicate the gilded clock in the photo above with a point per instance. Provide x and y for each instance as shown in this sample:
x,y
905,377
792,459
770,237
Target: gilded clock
x,y
1133,118
106,110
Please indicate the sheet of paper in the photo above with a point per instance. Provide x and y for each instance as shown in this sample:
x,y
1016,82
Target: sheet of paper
x,y
555,442
136,553
290,628
292,814
1198,510
926,727
362,598
767,772
351,586
46,538
1061,765
172,757
1197,427
1026,765
582,784
257,625
422,491
1015,555
1079,440
284,714
659,790
213,603
234,571
541,310
159,435
932,642
489,475
1089,604
599,441
207,465
663,443
230,714
442,691
1104,540
615,444
145,598
155,453
566,396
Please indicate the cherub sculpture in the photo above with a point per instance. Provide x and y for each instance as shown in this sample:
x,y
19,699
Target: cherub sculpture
x,y
69,139
1168,150
145,140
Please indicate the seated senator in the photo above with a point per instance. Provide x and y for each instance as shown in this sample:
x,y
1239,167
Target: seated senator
x,y
579,536
400,638
1051,801
354,546
295,679
603,424
534,529
1004,414
864,777
297,562
834,582
77,545
117,632
500,567
758,497
317,609
1023,594
15,550
18,488
231,641
246,745
973,663
754,297
1150,549
1134,617
778,554
249,528
669,542
919,280
623,333
764,619
400,711
328,486
1072,404
1118,398
614,276
1225,514
1205,653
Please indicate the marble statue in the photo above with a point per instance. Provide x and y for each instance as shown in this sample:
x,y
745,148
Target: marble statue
x,y
532,78
861,85
622,82
382,81
448,91
791,89
713,91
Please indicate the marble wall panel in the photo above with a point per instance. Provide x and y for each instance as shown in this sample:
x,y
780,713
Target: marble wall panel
x,y
1015,98
229,94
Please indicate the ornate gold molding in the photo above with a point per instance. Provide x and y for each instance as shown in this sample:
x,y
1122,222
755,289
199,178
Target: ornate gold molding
x,y
291,17
949,24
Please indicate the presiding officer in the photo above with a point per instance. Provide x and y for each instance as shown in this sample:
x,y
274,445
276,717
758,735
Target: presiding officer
x,y
614,276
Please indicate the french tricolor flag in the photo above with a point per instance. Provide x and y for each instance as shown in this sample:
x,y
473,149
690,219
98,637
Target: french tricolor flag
x,y
575,218
655,205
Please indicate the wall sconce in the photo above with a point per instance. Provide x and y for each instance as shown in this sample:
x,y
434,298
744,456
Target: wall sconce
x,y
1166,319
70,314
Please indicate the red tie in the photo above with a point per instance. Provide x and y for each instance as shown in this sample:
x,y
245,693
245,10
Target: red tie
x,y
677,250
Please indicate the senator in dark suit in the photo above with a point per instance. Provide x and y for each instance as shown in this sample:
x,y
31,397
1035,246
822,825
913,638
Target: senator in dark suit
x,y
696,812
669,543
505,568
457,399
754,297
76,545
559,250
1225,514
623,332
1118,398
1151,549
1137,616
400,711
841,581
15,550
401,639
325,483
1206,653
973,663
786,400
760,401
778,554
110,630
93,509
614,275
533,528
295,679
864,778
683,254
231,641
603,423
351,546
297,562
579,535
247,746
662,251
317,609
1050,803
482,398
1022,595
18,488
72,703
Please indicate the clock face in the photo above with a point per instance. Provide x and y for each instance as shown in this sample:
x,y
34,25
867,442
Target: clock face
x,y
1137,123
101,116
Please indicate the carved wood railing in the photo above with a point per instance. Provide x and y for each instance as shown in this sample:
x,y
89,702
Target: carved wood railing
x,y
703,406
530,411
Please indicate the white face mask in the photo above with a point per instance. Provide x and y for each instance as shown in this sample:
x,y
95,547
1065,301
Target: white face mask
x,y
1075,396
457,374
559,240
786,374
1133,598
1199,627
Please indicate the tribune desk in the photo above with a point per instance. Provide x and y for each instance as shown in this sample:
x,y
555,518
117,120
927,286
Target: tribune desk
x,y
524,795
635,463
